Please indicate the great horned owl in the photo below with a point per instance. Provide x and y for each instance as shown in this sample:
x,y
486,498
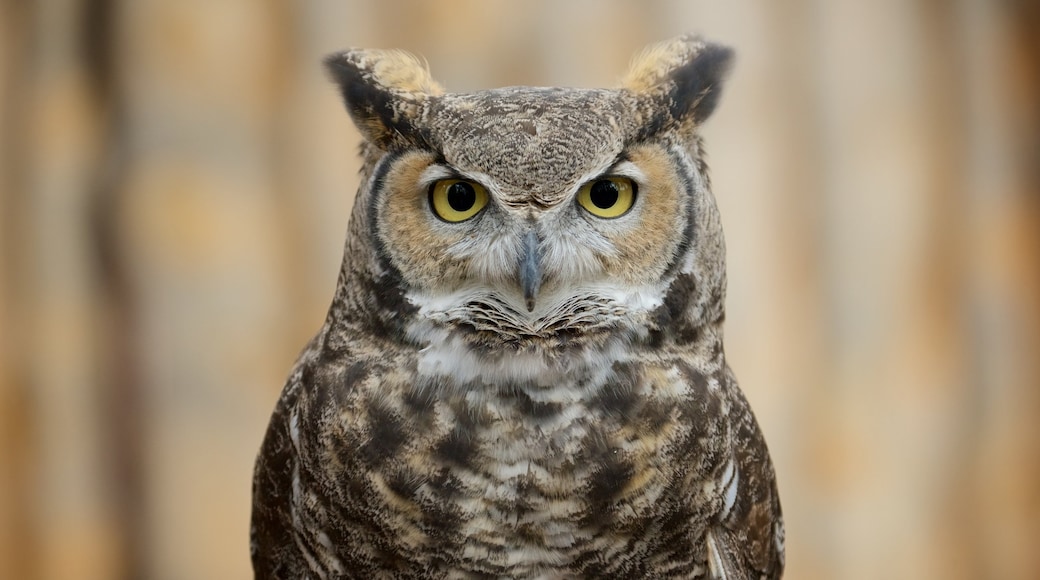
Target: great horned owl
x,y
522,372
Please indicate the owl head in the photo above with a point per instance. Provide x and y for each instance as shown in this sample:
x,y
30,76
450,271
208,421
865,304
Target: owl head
x,y
524,217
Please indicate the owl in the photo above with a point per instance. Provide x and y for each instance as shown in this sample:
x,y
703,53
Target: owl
x,y
522,372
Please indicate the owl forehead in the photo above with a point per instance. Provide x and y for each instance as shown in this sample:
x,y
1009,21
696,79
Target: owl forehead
x,y
535,143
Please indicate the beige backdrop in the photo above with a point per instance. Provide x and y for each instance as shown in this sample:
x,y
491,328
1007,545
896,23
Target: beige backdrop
x,y
176,177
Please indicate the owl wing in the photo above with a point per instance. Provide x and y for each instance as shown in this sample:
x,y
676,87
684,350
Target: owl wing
x,y
272,545
747,542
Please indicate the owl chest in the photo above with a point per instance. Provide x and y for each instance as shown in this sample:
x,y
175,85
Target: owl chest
x,y
520,476
509,466
517,483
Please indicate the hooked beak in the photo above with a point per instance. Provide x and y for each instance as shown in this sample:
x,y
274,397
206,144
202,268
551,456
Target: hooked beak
x,y
530,269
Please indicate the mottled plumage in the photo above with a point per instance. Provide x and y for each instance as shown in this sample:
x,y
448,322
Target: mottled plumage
x,y
523,375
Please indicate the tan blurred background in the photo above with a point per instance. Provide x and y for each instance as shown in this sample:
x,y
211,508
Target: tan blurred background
x,y
175,179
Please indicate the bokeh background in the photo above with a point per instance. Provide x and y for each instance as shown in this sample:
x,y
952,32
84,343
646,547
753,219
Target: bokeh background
x,y
175,180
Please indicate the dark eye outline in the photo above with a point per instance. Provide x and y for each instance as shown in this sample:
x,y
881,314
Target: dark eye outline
x,y
627,193
441,207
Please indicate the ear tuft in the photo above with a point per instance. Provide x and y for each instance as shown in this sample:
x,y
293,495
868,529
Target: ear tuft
x,y
384,92
401,71
684,76
652,66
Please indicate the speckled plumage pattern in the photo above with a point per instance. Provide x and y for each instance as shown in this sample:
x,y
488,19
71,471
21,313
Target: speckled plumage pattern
x,y
444,424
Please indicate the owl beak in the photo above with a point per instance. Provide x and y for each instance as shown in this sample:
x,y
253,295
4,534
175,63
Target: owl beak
x,y
530,269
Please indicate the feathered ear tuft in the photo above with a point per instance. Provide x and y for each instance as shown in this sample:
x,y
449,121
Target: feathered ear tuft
x,y
385,92
683,77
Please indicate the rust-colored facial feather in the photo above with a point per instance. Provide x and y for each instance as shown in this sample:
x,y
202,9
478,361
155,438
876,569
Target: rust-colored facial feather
x,y
645,248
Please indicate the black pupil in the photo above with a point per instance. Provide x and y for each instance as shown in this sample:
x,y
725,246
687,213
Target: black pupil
x,y
461,196
604,194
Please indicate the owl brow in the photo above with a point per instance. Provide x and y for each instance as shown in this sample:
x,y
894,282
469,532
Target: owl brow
x,y
611,169
622,166
436,172
621,158
625,167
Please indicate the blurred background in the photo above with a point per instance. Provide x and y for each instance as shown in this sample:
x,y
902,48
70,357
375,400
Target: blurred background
x,y
175,180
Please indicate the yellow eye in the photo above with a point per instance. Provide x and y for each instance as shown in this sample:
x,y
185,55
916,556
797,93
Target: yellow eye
x,y
456,200
608,197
